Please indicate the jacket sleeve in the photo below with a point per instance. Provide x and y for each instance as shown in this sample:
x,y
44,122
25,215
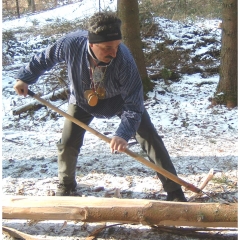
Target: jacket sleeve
x,y
132,94
42,62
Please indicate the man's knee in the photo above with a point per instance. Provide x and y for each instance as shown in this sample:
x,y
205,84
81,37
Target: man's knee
x,y
66,149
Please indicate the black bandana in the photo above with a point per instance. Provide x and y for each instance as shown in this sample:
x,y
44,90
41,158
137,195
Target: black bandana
x,y
105,36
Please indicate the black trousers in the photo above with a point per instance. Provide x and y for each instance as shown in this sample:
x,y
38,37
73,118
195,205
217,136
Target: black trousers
x,y
72,139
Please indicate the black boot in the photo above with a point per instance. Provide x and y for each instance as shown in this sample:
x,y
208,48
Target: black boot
x,y
66,190
176,196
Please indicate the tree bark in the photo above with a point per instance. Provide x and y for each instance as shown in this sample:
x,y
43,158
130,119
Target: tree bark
x,y
227,89
33,6
146,212
128,12
17,8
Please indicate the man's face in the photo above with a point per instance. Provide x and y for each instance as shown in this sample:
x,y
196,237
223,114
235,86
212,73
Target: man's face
x,y
105,51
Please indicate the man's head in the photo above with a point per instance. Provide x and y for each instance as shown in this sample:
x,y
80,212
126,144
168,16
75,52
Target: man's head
x,y
104,35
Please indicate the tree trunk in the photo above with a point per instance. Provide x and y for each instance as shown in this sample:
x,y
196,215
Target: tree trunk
x,y
6,5
33,6
17,6
146,212
227,89
128,12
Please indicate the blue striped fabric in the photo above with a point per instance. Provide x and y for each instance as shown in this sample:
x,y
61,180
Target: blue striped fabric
x,y
124,93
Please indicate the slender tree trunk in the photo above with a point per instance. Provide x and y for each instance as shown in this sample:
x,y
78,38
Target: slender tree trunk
x,y
140,211
5,5
128,12
227,89
17,6
33,6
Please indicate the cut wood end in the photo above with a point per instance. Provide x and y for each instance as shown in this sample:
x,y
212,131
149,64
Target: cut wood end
x,y
203,184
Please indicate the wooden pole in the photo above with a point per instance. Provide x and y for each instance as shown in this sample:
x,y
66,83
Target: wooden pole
x,y
139,211
151,165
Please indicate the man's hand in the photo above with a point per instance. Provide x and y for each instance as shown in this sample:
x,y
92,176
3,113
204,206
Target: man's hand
x,y
21,88
118,144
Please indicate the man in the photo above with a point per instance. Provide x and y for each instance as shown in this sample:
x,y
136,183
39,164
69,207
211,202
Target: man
x,y
104,82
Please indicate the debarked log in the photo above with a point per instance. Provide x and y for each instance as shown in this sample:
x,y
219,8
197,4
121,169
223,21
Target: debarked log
x,y
138,211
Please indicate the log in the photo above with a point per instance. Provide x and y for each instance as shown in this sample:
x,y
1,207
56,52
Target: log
x,y
138,211
35,105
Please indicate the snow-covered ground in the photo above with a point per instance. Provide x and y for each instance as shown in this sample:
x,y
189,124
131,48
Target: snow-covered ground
x,y
197,137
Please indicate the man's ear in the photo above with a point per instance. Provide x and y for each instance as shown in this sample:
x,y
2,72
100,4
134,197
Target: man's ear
x,y
91,45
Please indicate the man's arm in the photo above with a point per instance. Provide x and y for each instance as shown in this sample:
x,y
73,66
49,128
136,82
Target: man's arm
x,y
132,94
41,62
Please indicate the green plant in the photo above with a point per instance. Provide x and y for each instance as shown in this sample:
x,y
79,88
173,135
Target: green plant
x,y
35,22
166,74
185,123
221,180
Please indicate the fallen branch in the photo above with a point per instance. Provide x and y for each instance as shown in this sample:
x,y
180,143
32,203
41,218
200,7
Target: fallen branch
x,y
18,234
198,232
35,105
93,235
10,140
139,211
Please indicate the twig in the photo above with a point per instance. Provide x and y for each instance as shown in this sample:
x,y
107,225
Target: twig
x,y
196,232
9,140
194,229
97,231
19,235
